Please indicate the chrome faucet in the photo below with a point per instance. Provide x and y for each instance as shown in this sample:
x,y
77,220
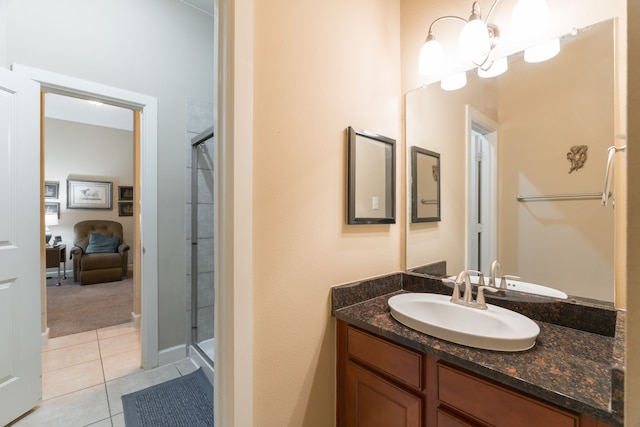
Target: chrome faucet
x,y
480,275
495,267
467,299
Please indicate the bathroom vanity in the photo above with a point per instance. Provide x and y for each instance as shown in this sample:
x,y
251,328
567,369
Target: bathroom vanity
x,y
391,375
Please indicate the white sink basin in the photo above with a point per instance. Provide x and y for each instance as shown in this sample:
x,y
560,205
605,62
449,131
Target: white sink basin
x,y
530,288
493,329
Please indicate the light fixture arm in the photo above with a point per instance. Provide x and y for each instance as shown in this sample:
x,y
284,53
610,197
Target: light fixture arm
x,y
493,6
442,18
494,36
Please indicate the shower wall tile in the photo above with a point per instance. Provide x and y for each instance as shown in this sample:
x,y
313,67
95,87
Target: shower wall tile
x,y
206,154
205,221
205,323
199,115
206,294
205,186
205,255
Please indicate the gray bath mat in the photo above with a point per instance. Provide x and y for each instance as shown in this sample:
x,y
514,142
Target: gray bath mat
x,y
182,402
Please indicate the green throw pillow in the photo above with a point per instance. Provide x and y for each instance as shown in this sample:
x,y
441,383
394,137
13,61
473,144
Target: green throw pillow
x,y
99,243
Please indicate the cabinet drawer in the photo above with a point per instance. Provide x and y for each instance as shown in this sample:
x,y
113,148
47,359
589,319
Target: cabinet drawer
x,y
397,362
446,419
496,405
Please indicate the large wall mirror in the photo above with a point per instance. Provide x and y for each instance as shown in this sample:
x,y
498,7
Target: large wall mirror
x,y
527,119
371,180
425,185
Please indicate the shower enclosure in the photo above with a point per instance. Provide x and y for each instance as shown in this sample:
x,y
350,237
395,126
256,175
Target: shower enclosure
x,y
201,287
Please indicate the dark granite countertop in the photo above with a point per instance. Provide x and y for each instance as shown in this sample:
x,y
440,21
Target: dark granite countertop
x,y
577,362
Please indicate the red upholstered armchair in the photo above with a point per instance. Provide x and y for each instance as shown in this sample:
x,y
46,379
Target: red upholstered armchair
x,y
99,253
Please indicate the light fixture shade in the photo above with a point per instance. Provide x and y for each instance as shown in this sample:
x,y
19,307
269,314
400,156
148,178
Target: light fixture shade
x,y
431,59
474,40
529,20
497,67
51,219
454,82
542,51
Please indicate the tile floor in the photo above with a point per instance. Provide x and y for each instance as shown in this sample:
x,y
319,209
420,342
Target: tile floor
x,y
84,375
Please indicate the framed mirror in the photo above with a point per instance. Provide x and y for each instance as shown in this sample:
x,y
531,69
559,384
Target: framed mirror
x,y
524,123
425,185
371,178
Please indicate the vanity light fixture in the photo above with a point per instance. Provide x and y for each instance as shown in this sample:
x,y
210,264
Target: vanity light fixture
x,y
542,51
495,68
454,81
478,39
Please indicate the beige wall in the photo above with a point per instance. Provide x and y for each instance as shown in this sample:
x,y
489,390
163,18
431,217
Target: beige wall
x,y
319,68
567,101
440,127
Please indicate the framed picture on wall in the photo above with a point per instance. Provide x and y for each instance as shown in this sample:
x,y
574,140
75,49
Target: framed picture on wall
x,y
89,194
125,193
125,208
51,208
51,189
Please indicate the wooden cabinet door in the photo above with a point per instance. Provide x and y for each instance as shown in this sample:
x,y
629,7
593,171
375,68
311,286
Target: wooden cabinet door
x,y
445,419
372,401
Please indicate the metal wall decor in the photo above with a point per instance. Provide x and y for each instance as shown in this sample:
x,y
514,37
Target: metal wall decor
x,y
577,155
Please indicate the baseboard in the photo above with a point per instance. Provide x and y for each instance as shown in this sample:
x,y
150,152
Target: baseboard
x,y
44,336
136,318
201,362
172,354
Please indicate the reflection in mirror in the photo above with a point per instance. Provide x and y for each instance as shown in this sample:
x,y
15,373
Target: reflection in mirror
x,y
425,185
540,112
371,181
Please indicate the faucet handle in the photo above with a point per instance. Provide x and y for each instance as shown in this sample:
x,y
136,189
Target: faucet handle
x,y
480,275
503,280
480,301
455,297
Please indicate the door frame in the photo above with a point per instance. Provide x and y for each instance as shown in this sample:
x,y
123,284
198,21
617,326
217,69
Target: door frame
x,y
474,120
148,226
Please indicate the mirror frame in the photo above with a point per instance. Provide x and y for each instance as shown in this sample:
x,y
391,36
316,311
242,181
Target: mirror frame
x,y
356,139
415,175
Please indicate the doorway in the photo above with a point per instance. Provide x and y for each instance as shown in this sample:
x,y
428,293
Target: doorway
x,y
482,200
87,142
145,118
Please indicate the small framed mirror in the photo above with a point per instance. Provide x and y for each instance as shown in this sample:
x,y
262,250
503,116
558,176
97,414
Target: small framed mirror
x,y
425,185
371,178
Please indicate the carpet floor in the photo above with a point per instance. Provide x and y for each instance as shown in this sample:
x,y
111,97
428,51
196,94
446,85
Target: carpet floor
x,y
72,308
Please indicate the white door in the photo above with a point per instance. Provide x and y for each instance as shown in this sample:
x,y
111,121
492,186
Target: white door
x,y
482,234
20,246
482,191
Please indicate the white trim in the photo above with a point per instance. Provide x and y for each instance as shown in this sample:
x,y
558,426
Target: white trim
x,y
475,116
45,337
172,354
200,362
234,350
136,319
148,107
